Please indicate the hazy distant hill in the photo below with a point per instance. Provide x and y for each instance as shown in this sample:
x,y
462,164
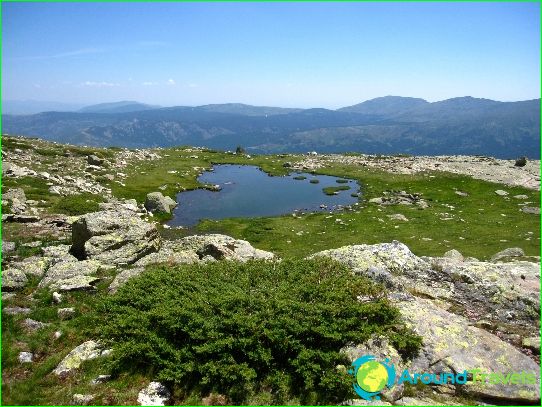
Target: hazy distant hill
x,y
35,106
384,125
118,107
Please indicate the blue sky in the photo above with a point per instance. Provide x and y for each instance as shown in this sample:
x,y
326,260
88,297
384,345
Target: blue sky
x,y
282,54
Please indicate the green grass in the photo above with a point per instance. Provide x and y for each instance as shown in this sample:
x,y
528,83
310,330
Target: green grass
x,y
335,190
77,204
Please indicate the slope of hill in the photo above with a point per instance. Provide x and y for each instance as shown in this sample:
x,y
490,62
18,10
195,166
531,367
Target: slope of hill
x,y
118,107
383,125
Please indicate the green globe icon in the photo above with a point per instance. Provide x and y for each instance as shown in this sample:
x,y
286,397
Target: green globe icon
x,y
372,376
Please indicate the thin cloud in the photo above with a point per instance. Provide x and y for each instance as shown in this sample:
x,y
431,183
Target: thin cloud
x,y
67,54
100,84
171,82
150,83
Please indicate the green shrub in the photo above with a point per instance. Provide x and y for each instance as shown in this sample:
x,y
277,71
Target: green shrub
x,y
300,178
77,204
314,181
247,329
342,181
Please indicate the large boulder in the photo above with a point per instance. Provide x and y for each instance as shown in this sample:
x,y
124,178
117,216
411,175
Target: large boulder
x,y
113,237
451,344
69,276
95,160
155,394
158,203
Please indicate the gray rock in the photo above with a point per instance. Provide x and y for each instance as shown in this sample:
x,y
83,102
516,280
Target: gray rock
x,y
155,394
95,160
510,252
73,360
33,325
7,247
13,279
158,203
15,310
376,200
222,247
67,276
114,237
461,193
26,357
82,399
66,313
521,197
500,192
10,217
454,255
530,209
58,253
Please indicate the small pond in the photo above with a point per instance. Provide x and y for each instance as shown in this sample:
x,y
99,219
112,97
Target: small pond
x,y
247,191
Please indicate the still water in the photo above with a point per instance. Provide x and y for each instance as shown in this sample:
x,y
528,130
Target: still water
x,y
247,191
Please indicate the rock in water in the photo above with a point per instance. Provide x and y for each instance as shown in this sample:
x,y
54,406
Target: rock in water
x,y
521,162
158,203
113,237
155,394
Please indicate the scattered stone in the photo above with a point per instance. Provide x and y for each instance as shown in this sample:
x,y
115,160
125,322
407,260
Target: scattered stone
x,y
57,334
13,279
14,193
454,255
398,216
521,162
500,192
34,265
33,325
26,357
521,197
95,160
155,394
66,313
158,203
531,210
113,237
7,247
82,399
86,351
15,310
461,193
376,200
57,298
101,379
532,343
510,252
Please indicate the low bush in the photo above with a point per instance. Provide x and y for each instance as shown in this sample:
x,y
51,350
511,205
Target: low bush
x,y
77,204
335,190
251,331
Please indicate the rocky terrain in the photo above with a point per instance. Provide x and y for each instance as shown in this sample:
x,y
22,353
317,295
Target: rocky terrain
x,y
470,313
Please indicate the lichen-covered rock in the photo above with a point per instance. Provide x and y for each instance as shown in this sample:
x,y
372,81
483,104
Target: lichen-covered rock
x,y
73,360
454,255
155,394
532,343
26,357
7,247
171,252
14,193
13,279
58,253
95,160
33,325
34,265
395,257
82,399
450,343
158,203
67,276
113,237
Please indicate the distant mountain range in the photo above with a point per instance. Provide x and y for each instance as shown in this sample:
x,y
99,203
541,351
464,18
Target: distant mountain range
x,y
386,125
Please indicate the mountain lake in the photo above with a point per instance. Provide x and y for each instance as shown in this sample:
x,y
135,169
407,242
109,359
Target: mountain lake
x,y
247,191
